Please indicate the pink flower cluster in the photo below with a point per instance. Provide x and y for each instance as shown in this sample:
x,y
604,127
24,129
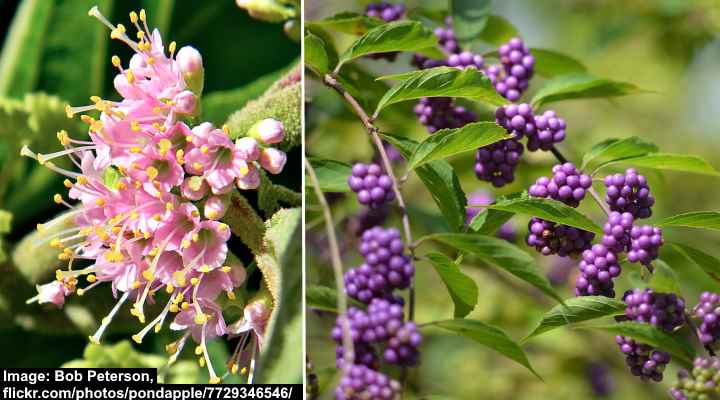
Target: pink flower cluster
x,y
151,191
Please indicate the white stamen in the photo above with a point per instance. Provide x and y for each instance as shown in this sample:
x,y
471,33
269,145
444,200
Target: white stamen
x,y
106,321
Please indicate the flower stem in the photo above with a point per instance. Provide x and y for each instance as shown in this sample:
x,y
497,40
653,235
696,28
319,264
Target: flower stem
x,y
348,351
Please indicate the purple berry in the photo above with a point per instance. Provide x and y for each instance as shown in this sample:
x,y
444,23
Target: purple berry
x,y
664,310
701,382
629,192
643,360
371,185
512,77
363,383
438,113
496,163
388,12
598,267
567,185
550,238
617,231
549,130
466,59
708,310
517,119
645,243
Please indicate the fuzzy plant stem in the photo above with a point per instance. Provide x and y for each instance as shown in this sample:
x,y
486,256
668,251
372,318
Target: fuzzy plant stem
x,y
373,131
348,351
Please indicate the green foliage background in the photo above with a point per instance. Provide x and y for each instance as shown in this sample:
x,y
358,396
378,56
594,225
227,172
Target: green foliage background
x,y
670,47
59,54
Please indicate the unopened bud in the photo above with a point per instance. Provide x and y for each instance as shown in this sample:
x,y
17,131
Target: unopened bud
x,y
191,66
273,160
266,10
268,131
215,207
251,180
248,148
185,103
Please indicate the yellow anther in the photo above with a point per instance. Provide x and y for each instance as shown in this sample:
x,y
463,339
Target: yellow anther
x,y
204,269
188,138
80,292
130,76
194,281
180,156
136,284
157,217
179,277
156,110
230,295
63,137
116,229
147,235
142,15
204,149
169,288
150,60
222,227
58,198
197,166
226,129
171,47
56,244
152,172
137,339
198,350
185,305
121,186
200,318
95,99
135,126
195,237
215,380
201,362
100,202
243,371
174,308
114,256
147,274
120,28
179,297
234,369
158,327
81,180
154,252
140,35
91,278
40,228
69,111
169,206
135,150
67,183
225,269
195,214
185,244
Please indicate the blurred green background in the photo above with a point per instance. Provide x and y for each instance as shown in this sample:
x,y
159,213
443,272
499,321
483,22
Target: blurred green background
x,y
671,47
54,53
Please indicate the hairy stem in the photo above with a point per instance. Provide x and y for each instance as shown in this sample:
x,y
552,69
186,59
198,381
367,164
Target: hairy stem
x,y
348,351
373,131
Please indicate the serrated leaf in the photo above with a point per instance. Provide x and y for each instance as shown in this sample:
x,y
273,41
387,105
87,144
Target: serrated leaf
x,y
347,22
487,222
442,82
332,175
651,335
325,298
315,55
469,18
440,180
548,209
498,30
488,336
449,142
551,63
706,262
579,86
693,219
613,149
578,309
670,162
393,36
22,49
664,279
463,290
500,253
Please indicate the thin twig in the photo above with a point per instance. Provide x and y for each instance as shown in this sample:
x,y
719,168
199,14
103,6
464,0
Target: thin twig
x,y
373,131
348,351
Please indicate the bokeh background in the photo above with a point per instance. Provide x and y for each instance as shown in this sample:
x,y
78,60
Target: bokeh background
x,y
53,53
671,47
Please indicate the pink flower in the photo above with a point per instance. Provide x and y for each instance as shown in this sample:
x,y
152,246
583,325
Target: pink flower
x,y
273,160
53,292
215,207
268,131
208,246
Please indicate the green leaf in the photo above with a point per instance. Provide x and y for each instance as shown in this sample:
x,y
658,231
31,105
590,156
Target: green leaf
x,y
578,309
649,334
670,162
111,177
550,63
693,219
449,142
498,31
547,209
159,14
393,36
489,336
347,22
315,55
578,86
500,253
22,49
443,82
463,290
332,175
469,18
706,262
440,180
613,149
664,279
325,298
487,222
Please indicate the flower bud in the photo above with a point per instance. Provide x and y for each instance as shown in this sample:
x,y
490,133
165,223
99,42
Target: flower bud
x,y
123,87
215,207
201,133
53,292
273,160
194,188
268,131
191,65
251,180
185,103
248,148
266,10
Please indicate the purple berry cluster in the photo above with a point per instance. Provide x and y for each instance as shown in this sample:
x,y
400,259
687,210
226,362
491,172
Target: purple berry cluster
x,y
702,382
373,187
629,192
550,238
598,267
442,113
708,311
496,163
363,383
645,242
664,310
446,37
549,130
466,59
616,232
387,12
517,119
512,77
567,185
644,361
